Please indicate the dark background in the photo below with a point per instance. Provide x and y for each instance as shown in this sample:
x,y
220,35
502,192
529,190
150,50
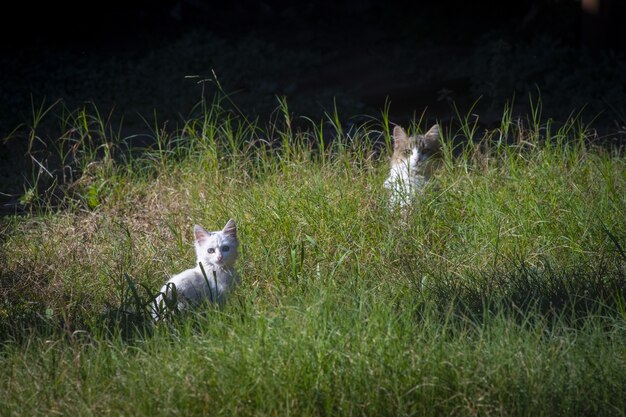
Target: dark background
x,y
134,56
133,61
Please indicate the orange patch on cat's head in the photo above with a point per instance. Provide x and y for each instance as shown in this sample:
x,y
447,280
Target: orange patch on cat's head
x,y
401,140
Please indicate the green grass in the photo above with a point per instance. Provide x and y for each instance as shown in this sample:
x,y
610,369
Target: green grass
x,y
500,292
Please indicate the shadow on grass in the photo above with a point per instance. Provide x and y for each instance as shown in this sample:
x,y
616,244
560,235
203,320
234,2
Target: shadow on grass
x,y
519,291
24,313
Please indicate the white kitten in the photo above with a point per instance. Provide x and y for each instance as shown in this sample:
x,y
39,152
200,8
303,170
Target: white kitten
x,y
217,252
412,164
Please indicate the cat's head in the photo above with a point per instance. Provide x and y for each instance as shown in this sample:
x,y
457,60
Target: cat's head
x,y
218,248
418,153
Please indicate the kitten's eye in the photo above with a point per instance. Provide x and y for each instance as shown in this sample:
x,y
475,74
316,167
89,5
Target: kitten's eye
x,y
225,248
408,151
211,250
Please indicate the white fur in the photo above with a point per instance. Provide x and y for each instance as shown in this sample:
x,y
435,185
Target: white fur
x,y
403,183
217,252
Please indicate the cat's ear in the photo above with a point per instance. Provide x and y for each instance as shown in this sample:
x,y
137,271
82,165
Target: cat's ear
x,y
230,229
400,138
431,138
433,133
200,234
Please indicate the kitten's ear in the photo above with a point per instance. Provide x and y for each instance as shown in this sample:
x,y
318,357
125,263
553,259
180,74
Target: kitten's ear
x,y
200,234
400,138
433,133
230,229
431,138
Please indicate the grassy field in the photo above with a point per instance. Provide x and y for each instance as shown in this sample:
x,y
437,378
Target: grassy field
x,y
501,292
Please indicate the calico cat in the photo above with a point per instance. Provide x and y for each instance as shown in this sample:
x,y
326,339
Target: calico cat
x,y
216,253
412,164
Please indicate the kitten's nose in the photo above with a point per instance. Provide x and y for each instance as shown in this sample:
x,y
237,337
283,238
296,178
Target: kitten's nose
x,y
219,257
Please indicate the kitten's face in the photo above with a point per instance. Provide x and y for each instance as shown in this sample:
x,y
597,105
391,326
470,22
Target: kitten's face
x,y
217,248
417,153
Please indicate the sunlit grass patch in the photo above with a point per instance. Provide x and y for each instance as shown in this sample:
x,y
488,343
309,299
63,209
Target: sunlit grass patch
x,y
500,291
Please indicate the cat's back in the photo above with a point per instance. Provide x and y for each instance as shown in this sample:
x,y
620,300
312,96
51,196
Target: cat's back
x,y
188,279
194,286
190,285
